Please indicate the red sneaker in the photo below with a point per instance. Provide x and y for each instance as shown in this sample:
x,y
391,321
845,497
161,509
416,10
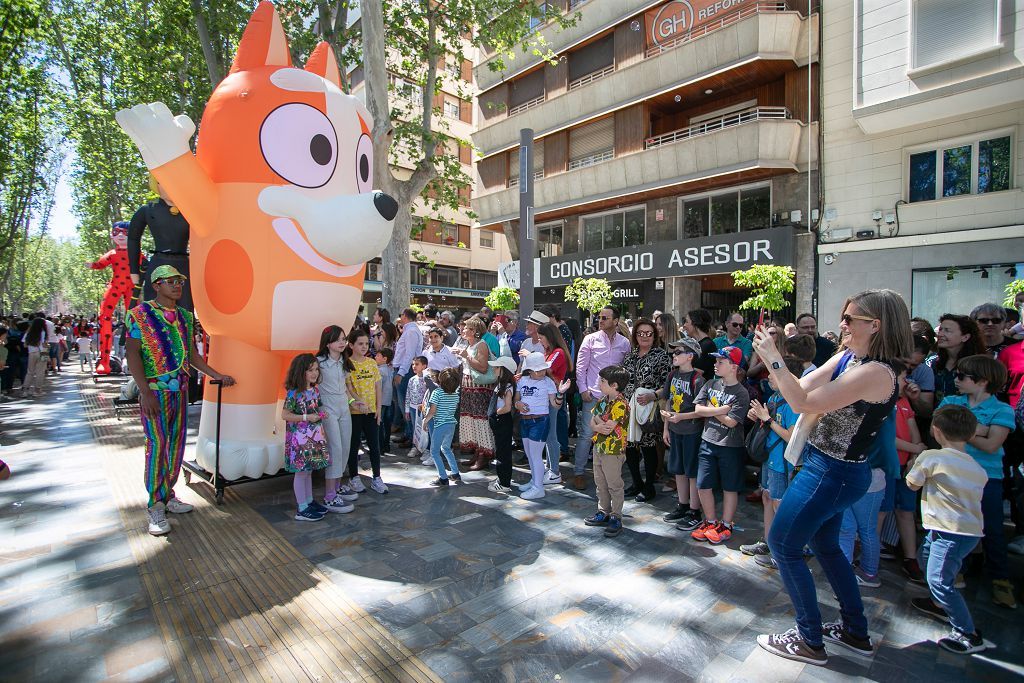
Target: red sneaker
x,y
700,533
719,533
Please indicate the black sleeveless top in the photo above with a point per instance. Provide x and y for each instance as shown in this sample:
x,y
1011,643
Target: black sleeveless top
x,y
849,433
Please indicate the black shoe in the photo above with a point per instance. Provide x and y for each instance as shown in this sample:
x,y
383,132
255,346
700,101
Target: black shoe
x,y
456,477
677,515
691,521
963,643
646,496
599,518
837,634
614,527
913,572
928,607
631,491
888,552
439,482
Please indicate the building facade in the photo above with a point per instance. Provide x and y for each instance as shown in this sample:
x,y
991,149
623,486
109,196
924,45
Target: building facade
x,y
922,162
674,142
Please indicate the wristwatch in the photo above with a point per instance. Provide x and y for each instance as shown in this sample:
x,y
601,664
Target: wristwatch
x,y
777,365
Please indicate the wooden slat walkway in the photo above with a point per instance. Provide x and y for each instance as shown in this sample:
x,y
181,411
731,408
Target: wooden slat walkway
x,y
232,598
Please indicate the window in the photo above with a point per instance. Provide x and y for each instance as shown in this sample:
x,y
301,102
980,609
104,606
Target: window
x,y
453,66
964,167
449,234
934,293
373,271
487,239
748,208
615,230
592,143
405,89
549,240
947,30
538,18
451,108
446,277
479,279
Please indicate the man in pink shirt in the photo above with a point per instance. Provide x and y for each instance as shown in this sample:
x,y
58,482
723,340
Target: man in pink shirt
x,y
597,351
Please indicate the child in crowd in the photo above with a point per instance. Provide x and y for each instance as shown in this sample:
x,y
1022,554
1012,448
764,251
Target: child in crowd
x,y
976,378
337,422
725,402
904,501
953,485
442,408
803,348
364,388
535,393
84,352
682,436
414,396
610,424
776,470
499,415
305,446
387,392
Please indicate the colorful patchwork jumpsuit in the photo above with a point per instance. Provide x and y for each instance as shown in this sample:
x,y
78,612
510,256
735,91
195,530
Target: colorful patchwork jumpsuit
x,y
165,339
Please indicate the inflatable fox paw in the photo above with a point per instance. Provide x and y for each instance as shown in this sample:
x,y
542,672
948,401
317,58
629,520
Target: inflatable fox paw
x,y
283,217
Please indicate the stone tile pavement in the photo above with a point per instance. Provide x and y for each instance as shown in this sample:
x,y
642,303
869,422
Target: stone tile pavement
x,y
478,587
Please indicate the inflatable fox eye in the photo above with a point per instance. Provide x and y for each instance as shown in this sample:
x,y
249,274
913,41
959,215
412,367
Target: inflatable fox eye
x,y
364,164
299,144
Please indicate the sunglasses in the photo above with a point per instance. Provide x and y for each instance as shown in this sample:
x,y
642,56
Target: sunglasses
x,y
174,281
961,376
849,318
645,333
604,317
989,321
680,352
735,324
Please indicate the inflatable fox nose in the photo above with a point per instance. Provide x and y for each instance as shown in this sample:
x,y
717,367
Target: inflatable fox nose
x,y
386,206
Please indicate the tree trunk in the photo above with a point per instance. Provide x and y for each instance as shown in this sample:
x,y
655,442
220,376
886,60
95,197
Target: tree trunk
x,y
213,65
397,291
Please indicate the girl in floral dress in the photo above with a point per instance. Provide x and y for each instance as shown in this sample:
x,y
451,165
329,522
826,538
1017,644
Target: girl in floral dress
x,y
305,446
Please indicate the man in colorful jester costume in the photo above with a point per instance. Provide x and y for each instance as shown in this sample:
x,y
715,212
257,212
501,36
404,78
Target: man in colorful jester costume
x,y
160,351
120,288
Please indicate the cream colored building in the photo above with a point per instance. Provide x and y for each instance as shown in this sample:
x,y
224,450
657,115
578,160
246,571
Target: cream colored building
x,y
923,161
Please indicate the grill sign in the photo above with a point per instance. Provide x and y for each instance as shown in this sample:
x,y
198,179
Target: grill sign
x,y
675,19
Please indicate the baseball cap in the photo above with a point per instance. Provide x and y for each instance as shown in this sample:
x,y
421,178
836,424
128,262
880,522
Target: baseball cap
x,y
688,344
165,272
538,318
504,362
732,354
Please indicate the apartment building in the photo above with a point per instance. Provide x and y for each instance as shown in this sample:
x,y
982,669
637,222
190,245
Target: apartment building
x,y
922,162
674,142
451,263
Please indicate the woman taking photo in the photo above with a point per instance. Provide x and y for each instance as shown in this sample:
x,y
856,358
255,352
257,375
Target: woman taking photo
x,y
851,396
697,324
648,365
557,354
958,337
475,435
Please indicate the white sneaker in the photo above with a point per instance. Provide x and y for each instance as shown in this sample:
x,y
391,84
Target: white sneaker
x,y
378,485
338,505
356,484
552,477
178,507
158,524
532,493
427,459
346,493
496,487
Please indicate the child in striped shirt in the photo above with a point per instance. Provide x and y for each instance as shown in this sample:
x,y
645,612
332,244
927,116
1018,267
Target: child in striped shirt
x,y
443,405
952,485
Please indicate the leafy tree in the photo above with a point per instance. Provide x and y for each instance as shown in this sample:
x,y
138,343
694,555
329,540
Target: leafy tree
x,y
502,299
769,286
591,294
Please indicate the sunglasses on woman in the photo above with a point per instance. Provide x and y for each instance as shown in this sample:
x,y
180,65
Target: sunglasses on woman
x,y
645,333
850,317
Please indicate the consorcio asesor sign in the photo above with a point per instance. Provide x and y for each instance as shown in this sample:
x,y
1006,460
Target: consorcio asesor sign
x,y
699,256
676,19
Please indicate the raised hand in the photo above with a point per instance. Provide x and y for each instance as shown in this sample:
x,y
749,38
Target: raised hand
x,y
160,136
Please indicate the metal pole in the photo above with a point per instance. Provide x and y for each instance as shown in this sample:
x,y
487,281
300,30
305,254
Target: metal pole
x,y
527,237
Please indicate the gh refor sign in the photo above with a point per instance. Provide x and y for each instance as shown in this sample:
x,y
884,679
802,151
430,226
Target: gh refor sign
x,y
701,256
679,17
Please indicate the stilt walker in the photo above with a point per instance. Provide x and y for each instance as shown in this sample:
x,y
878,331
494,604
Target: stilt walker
x,y
119,289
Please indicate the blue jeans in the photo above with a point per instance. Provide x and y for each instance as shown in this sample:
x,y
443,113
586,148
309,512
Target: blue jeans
x,y
861,519
441,442
386,415
994,542
553,448
940,556
583,438
399,399
563,426
811,513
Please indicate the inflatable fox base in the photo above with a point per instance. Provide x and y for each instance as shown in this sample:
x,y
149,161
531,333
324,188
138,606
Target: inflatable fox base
x,y
283,217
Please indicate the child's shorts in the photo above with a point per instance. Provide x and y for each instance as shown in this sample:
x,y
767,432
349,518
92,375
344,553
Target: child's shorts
x,y
534,428
720,467
775,483
898,496
682,456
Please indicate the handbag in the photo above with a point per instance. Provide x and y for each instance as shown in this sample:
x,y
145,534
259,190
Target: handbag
x,y
806,422
484,378
757,443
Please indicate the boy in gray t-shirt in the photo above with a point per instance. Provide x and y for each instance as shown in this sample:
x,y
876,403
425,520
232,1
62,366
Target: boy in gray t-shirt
x,y
681,435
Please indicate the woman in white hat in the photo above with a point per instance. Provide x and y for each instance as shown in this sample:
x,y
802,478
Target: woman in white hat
x,y
535,394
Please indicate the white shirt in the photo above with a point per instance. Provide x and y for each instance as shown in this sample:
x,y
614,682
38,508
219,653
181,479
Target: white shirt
x,y
534,393
84,344
51,332
440,360
409,345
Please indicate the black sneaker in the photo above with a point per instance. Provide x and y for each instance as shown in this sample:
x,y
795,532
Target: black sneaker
x,y
597,519
631,492
646,496
691,521
888,552
837,634
614,527
913,572
962,643
928,607
456,477
439,482
791,646
678,514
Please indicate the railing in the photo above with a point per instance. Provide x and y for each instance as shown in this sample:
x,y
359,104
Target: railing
x,y
712,26
595,158
514,180
519,108
591,77
710,126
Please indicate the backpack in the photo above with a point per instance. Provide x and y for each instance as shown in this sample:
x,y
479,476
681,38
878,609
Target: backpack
x,y
757,443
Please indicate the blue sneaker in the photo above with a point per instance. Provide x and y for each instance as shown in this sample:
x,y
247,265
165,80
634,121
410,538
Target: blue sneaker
x,y
308,515
614,527
599,519
317,507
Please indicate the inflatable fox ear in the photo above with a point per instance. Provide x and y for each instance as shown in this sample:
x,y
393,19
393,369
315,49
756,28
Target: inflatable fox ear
x,y
323,63
263,42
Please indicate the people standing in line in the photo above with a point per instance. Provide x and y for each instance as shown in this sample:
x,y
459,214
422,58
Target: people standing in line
x,y
598,350
990,319
952,486
475,435
734,327
697,324
35,345
536,394
364,387
648,365
305,446
609,421
958,337
337,422
557,355
852,393
532,343
682,436
439,356
410,345
510,337
442,409
825,349
447,324
415,394
499,416
161,352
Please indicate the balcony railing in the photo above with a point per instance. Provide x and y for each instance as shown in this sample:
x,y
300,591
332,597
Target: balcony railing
x,y
514,180
711,125
519,108
595,158
722,22
591,77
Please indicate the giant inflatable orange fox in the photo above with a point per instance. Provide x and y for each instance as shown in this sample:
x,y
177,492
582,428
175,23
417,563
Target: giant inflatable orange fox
x,y
283,218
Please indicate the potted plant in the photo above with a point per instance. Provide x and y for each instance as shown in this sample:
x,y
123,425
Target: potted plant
x,y
502,299
591,294
768,287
